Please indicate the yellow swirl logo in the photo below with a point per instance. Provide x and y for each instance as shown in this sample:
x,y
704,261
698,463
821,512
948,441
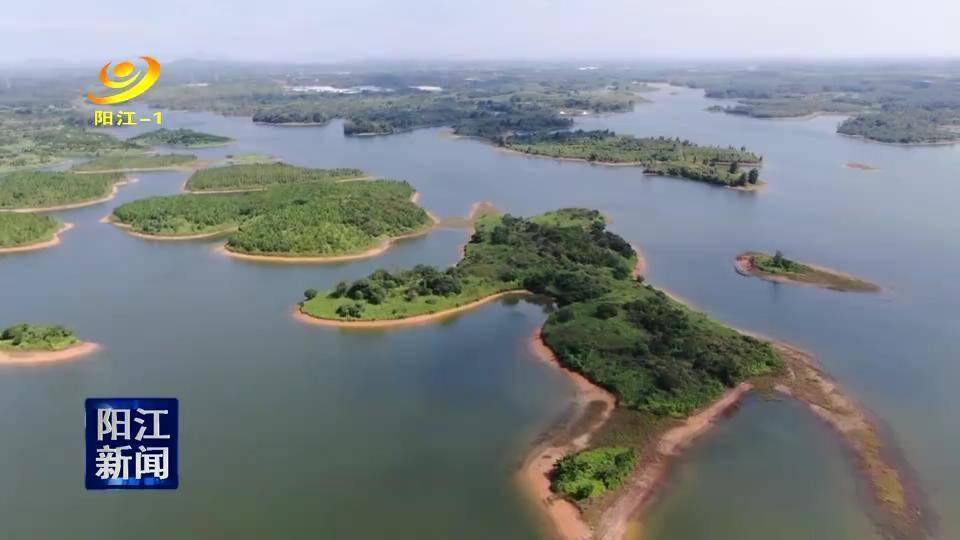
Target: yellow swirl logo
x,y
125,75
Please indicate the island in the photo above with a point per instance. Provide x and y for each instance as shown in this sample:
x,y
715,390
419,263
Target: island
x,y
259,176
778,268
248,158
29,191
651,373
22,231
185,138
32,343
729,167
308,222
135,162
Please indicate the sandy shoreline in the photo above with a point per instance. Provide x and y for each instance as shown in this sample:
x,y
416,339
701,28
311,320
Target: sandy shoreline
x,y
562,517
111,195
40,245
129,230
406,321
43,357
743,265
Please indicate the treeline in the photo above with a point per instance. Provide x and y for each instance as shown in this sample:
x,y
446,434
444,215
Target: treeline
x,y
37,336
179,137
905,126
261,175
134,162
659,155
307,219
41,189
19,229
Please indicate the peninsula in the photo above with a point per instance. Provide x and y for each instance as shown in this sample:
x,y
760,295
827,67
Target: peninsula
x,y
30,191
778,268
670,370
33,343
730,167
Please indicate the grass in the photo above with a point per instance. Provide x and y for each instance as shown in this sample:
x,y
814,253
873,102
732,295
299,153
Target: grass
x,y
21,229
142,162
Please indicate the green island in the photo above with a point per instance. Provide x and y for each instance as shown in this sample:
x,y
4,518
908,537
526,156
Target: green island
x,y
258,176
41,190
776,267
135,162
18,229
896,104
730,166
670,369
36,337
314,219
186,138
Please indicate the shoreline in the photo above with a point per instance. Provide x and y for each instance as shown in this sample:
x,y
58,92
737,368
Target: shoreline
x,y
76,350
414,320
743,265
113,193
109,219
561,516
43,244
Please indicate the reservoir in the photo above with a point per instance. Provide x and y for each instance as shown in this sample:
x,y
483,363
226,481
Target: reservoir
x,y
292,431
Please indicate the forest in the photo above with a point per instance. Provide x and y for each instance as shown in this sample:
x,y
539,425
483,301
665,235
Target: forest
x,y
658,155
255,176
313,219
186,138
42,189
655,354
134,162
29,337
23,228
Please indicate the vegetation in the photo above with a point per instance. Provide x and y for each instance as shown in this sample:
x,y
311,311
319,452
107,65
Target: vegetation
x,y
912,104
313,219
186,138
778,266
43,189
35,135
656,355
21,229
135,162
239,159
905,126
258,176
36,337
659,155
592,472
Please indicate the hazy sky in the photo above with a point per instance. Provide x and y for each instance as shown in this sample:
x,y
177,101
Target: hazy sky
x,y
322,30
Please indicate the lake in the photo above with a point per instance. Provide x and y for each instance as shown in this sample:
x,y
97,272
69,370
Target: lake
x,y
289,430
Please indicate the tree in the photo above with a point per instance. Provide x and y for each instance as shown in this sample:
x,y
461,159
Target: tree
x,y
778,258
606,311
753,176
734,167
310,294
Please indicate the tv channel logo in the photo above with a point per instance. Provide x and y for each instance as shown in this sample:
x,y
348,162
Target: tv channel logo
x,y
127,77
131,443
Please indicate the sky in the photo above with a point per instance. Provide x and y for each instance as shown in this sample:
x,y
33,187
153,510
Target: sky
x,y
72,32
